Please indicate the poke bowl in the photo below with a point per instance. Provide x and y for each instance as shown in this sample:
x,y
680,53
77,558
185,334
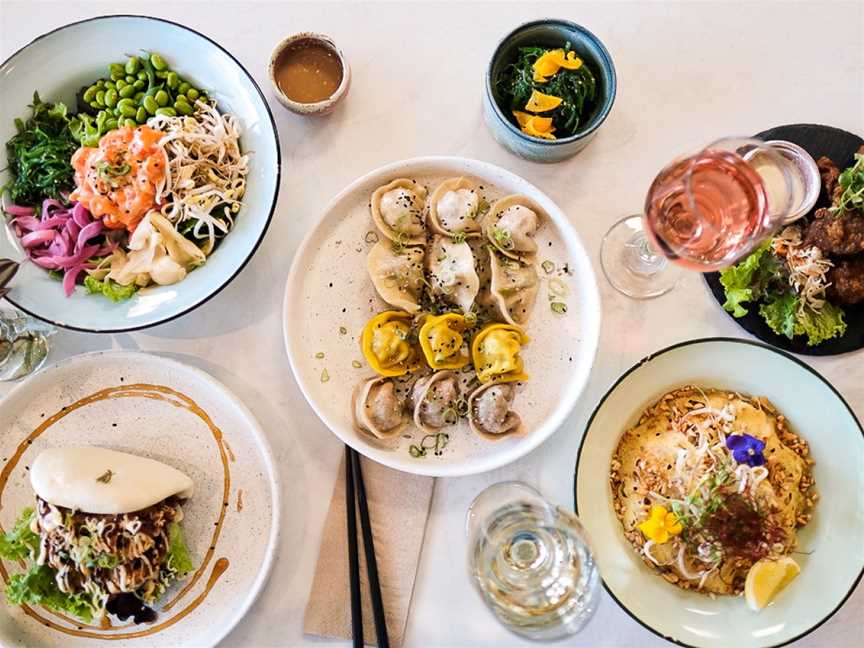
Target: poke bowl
x,y
140,175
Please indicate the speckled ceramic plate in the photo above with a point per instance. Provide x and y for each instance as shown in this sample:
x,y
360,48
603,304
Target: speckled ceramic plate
x,y
830,548
158,408
329,298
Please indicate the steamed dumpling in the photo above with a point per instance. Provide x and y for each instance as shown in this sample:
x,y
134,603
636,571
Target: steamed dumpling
x,y
514,288
378,408
435,399
397,276
453,208
397,210
490,414
452,273
510,226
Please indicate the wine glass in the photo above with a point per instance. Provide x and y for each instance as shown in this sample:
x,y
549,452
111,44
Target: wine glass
x,y
703,212
531,562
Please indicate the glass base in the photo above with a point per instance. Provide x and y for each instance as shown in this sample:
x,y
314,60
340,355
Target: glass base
x,y
632,265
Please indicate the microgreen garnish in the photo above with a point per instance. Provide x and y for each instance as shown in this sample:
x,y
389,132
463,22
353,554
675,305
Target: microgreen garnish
x,y
852,183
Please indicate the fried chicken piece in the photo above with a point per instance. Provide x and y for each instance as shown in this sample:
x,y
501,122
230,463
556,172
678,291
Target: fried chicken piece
x,y
847,281
829,173
841,234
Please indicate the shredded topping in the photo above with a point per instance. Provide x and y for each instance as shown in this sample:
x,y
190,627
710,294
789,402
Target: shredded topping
x,y
808,269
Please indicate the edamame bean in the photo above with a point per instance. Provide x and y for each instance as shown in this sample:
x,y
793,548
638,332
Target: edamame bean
x,y
119,84
116,68
142,75
94,105
162,98
110,97
127,91
166,111
193,94
128,111
130,123
138,97
141,115
125,101
110,85
184,88
100,98
139,84
130,78
158,62
110,123
183,107
150,104
173,80
89,94
100,83
132,65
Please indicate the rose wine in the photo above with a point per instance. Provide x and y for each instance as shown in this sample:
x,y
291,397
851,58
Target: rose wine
x,y
706,211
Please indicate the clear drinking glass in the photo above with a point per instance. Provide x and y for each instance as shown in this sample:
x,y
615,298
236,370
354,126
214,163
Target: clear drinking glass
x,y
703,212
531,562
24,344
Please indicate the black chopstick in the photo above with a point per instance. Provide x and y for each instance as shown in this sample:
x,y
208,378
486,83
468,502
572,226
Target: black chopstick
x,y
353,558
371,562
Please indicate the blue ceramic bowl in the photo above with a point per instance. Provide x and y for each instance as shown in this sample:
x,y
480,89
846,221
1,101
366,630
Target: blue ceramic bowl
x,y
551,33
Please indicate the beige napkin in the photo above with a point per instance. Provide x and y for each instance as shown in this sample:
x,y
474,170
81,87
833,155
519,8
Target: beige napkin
x,y
398,509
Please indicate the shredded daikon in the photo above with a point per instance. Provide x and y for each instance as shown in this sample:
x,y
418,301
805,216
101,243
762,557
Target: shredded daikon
x,y
808,269
206,174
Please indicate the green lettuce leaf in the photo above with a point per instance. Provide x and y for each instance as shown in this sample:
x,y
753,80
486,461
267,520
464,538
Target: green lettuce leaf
x,y
829,322
111,289
782,314
38,587
748,280
20,543
179,559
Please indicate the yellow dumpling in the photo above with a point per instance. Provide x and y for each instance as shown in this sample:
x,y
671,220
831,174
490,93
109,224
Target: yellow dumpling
x,y
441,340
386,344
496,352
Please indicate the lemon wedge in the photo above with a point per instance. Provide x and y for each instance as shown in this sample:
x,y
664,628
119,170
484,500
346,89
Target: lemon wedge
x,y
766,579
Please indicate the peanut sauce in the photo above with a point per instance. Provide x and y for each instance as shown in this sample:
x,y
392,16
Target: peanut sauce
x,y
308,72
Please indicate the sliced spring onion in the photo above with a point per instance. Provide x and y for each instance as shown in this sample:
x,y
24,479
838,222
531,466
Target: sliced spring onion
x,y
325,376
416,451
319,355
450,416
548,267
558,307
371,237
356,364
343,330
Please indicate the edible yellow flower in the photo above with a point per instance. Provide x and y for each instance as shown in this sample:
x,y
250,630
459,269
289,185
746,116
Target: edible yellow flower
x,y
539,102
534,125
548,65
661,525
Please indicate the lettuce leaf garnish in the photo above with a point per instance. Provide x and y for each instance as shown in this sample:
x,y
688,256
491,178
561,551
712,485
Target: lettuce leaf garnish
x,y
20,543
748,280
179,559
782,314
111,289
38,587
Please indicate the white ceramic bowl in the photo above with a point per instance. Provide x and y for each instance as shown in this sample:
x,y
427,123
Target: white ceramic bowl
x,y
831,545
57,64
329,298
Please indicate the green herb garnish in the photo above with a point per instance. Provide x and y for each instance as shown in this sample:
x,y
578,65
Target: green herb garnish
x,y
558,307
852,183
325,376
109,288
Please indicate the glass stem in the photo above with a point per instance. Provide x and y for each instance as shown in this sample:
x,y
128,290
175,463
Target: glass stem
x,y
643,258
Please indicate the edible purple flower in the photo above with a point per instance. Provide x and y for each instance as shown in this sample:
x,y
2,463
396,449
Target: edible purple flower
x,y
746,449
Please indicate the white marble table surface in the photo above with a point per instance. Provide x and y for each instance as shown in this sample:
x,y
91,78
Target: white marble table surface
x,y
687,72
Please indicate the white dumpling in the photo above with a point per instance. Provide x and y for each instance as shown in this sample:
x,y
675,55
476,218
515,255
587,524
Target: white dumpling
x,y
435,398
397,276
452,273
378,408
510,226
490,414
397,210
453,208
514,288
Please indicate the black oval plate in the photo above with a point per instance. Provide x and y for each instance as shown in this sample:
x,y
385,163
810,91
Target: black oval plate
x,y
840,146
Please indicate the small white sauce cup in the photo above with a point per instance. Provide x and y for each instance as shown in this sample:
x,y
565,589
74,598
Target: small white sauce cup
x,y
318,107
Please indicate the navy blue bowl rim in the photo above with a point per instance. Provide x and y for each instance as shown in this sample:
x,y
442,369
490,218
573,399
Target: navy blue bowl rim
x,y
608,100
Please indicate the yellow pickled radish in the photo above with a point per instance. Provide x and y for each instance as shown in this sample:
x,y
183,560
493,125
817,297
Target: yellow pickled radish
x,y
539,102
522,117
539,127
766,579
